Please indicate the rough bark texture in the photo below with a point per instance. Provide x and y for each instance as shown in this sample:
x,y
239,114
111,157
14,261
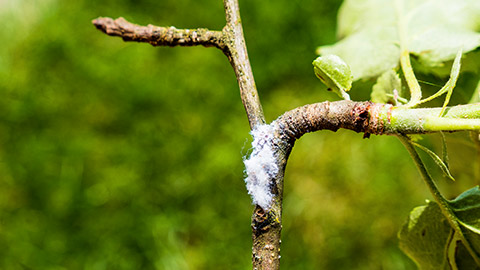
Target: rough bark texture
x,y
236,51
159,36
356,116
267,225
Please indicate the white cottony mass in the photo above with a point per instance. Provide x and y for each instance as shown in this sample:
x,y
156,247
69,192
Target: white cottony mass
x,y
260,167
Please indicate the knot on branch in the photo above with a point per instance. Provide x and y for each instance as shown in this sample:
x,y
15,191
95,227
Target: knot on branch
x,y
263,221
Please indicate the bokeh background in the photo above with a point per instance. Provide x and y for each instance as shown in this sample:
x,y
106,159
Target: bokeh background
x,y
119,155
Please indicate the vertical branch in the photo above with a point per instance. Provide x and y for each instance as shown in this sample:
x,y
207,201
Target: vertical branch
x,y
266,223
236,51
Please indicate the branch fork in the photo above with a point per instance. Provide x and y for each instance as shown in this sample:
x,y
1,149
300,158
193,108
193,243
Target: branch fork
x,y
230,41
366,117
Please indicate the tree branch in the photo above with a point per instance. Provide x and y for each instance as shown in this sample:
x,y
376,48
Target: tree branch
x,y
376,118
331,116
230,40
238,57
159,36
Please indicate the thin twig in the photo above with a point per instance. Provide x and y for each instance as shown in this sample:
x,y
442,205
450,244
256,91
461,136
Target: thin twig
x,y
238,57
159,36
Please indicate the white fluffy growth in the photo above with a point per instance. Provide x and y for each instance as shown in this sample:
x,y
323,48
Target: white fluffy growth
x,y
260,167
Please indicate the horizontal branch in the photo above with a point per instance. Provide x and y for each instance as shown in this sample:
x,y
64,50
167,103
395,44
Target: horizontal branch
x,y
160,36
330,116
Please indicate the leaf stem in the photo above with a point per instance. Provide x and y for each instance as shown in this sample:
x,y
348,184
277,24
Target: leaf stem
x,y
448,88
426,176
415,90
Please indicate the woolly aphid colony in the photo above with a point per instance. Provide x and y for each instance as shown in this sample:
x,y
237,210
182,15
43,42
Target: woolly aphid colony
x,y
260,167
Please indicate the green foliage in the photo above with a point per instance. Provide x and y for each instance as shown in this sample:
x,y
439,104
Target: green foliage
x,y
377,37
434,32
426,236
432,243
467,211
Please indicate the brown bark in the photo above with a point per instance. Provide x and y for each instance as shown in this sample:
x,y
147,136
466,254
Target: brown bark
x,y
236,51
159,36
267,224
356,116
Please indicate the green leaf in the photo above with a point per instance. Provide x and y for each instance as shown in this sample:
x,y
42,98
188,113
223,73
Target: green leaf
x,y
452,81
384,90
467,209
428,238
425,236
435,31
334,73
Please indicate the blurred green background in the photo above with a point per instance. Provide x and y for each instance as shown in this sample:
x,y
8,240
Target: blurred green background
x,y
119,155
